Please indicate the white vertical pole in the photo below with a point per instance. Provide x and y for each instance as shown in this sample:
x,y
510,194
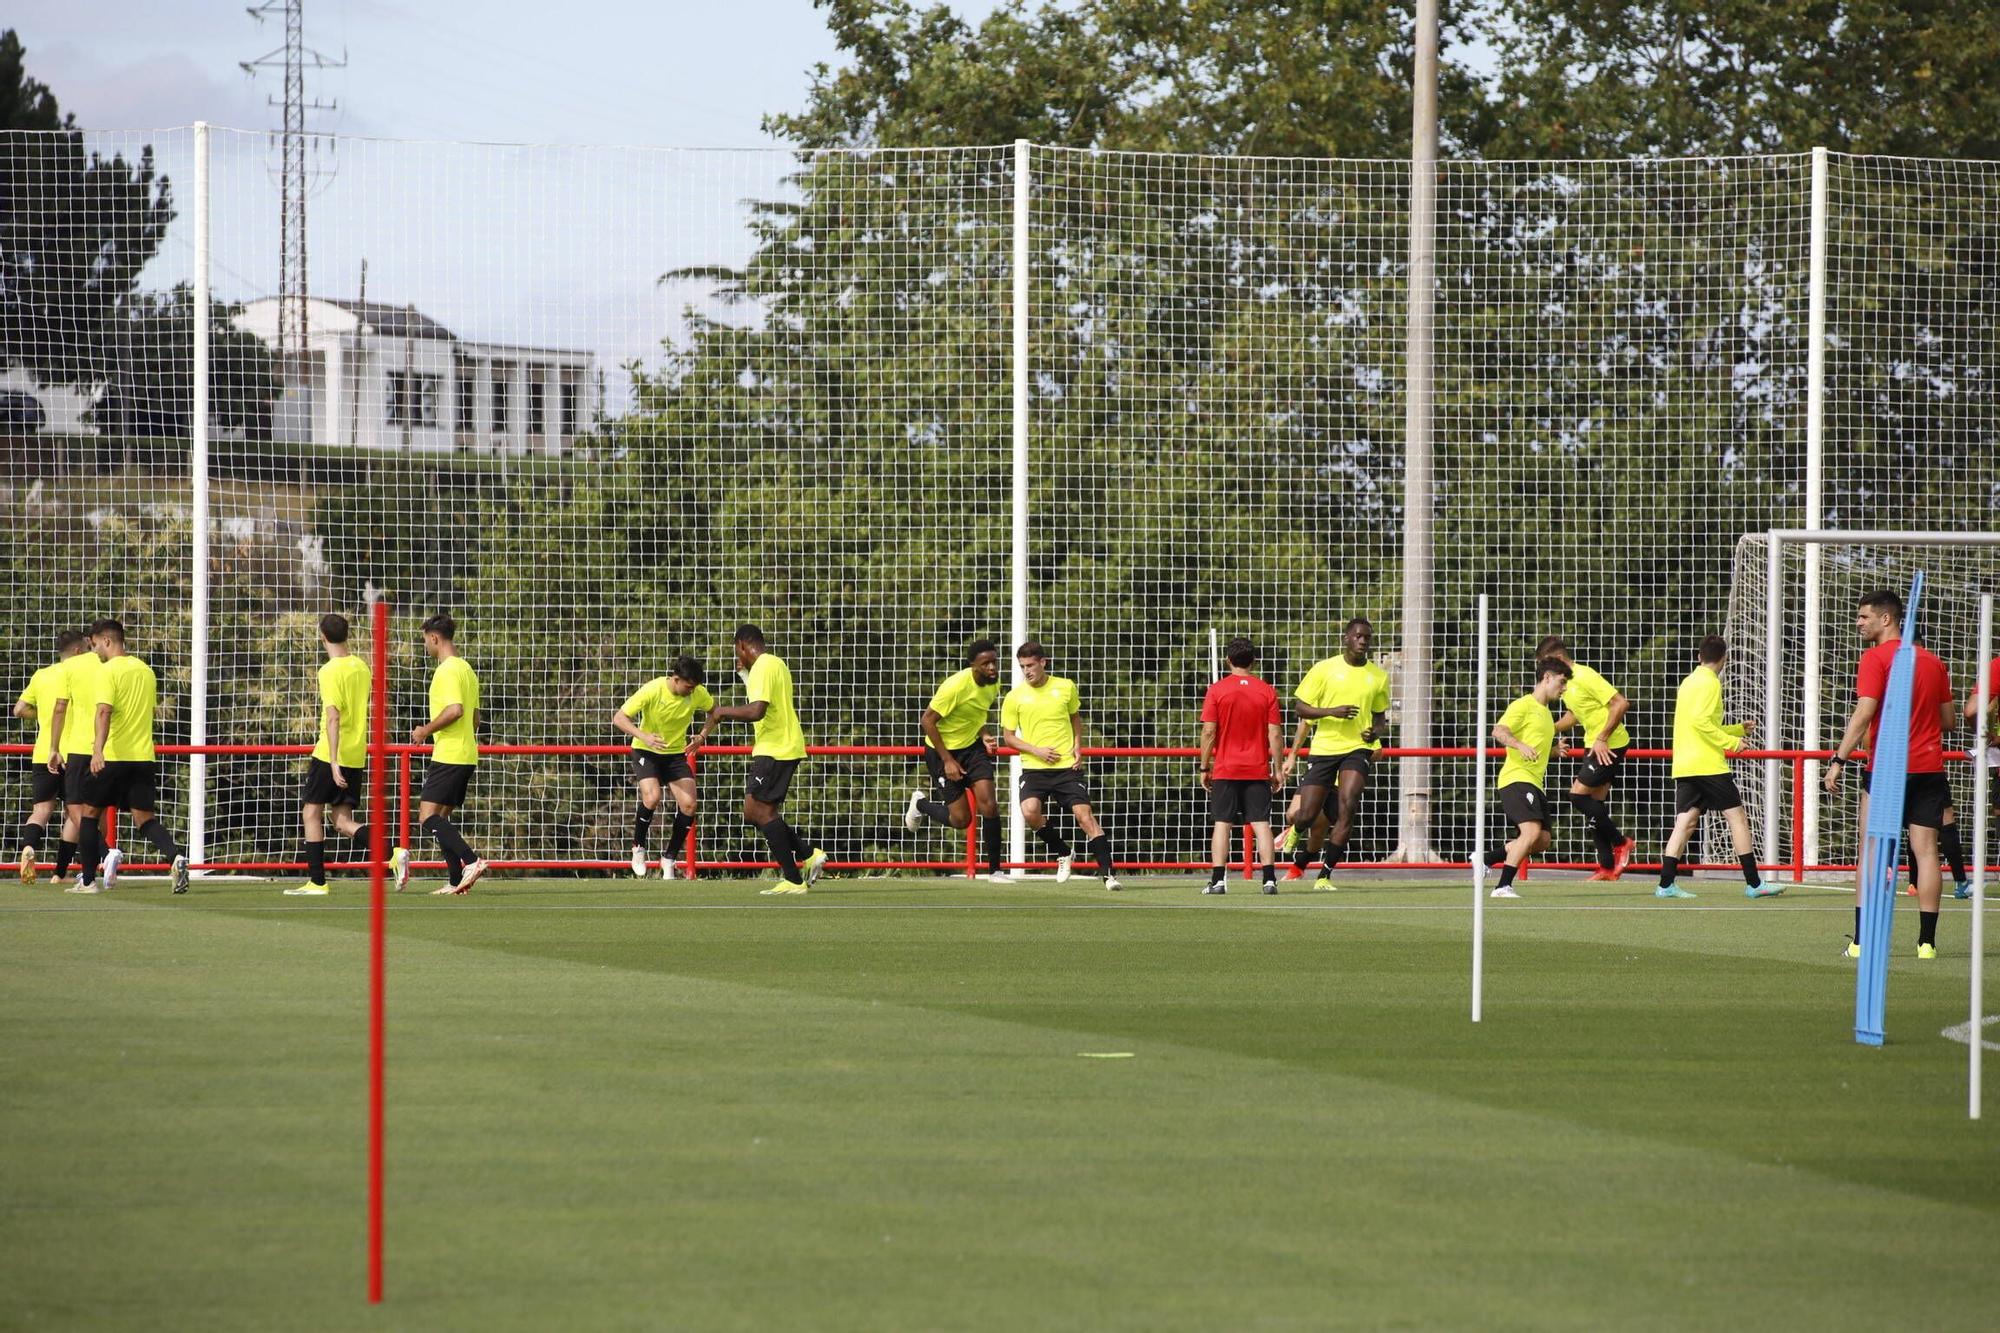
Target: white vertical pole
x,y
1774,732
1975,1032
1214,654
1017,827
197,794
1809,666
1479,823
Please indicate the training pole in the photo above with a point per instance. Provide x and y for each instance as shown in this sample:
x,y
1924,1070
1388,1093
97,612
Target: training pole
x,y
1982,777
1479,822
378,855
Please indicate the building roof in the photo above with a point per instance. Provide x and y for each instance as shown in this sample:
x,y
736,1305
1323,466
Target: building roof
x,y
393,321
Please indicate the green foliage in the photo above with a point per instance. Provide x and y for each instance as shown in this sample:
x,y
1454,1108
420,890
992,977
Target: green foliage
x,y
151,391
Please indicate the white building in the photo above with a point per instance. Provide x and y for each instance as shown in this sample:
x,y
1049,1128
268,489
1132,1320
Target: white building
x,y
389,377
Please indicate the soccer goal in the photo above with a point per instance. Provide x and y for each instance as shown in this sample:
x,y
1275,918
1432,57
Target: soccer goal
x,y
1793,593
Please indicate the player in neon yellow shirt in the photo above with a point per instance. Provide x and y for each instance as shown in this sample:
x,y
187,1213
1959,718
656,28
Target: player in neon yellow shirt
x,y
453,735
1702,781
958,752
74,721
657,717
1595,706
777,749
1528,730
1343,702
39,703
1042,718
123,769
338,768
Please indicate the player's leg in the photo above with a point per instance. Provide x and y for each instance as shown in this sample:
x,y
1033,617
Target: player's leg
x,y
1220,835
89,845
66,844
312,826
687,802
987,803
1349,781
1952,848
1686,820
1260,832
763,816
1927,799
444,789
35,828
1305,811
942,802
1097,841
646,780
1754,883
1530,836
1034,813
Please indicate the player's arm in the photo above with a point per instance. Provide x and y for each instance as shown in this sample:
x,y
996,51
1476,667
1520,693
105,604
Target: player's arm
x,y
332,724
1076,739
452,712
1614,714
635,731
1566,722
56,717
1850,740
103,735
749,712
25,710
1376,723
1016,741
1506,737
1298,744
1274,737
928,723
1312,712
1207,760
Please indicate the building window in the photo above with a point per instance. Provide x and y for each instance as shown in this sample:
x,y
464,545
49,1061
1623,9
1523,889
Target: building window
x,y
497,391
535,418
466,372
572,391
413,398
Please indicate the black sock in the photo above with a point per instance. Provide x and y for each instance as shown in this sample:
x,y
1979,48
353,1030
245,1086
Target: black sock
x,y
802,846
1100,847
1330,855
1493,856
316,862
990,831
1749,863
935,811
677,836
1670,866
454,869
779,836
1053,840
1507,873
1927,928
1301,854
1954,852
89,848
65,854
1595,816
1217,874
32,835
455,847
1270,874
642,824
156,833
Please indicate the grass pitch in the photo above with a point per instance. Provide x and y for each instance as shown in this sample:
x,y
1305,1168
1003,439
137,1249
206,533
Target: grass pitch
x,y
620,1105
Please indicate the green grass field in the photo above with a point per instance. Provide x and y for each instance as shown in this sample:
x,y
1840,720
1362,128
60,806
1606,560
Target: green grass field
x,y
616,1105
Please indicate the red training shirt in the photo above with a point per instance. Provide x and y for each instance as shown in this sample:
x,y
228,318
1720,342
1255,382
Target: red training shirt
x,y
1931,692
1241,708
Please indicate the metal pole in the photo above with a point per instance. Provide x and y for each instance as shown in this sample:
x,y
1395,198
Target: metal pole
x,y
1809,666
1975,1032
1017,827
1414,729
1479,823
197,795
1774,732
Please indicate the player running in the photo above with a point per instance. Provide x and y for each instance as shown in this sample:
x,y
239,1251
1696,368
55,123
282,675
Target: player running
x,y
74,723
1596,706
1241,730
453,735
1703,784
1042,719
123,771
958,752
1926,792
657,717
778,748
1344,702
339,756
1528,730
39,703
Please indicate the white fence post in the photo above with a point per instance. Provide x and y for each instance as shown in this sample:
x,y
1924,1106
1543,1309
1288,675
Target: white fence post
x,y
1810,669
1017,827
197,788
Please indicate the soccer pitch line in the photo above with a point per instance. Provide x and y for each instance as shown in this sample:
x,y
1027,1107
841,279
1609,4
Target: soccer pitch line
x,y
492,906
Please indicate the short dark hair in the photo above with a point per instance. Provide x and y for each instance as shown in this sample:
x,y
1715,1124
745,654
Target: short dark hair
x,y
1358,620
688,668
1713,649
69,638
1552,666
1550,646
333,627
1032,648
1240,652
108,626
443,626
751,635
978,646
1887,599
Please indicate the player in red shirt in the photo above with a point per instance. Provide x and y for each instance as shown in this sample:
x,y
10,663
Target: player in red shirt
x,y
1240,725
1926,795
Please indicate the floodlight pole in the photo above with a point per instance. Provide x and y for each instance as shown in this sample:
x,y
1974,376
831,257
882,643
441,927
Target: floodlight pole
x,y
1479,820
1982,776
1810,667
197,798
1017,833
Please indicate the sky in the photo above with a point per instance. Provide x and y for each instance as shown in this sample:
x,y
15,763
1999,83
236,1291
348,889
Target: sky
x,y
557,246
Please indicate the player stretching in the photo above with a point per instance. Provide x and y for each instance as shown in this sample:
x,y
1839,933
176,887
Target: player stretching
x,y
123,770
340,754
1596,705
39,704
779,746
1041,719
1241,730
1344,701
453,734
1926,793
958,752
656,717
74,722
1703,784
1528,730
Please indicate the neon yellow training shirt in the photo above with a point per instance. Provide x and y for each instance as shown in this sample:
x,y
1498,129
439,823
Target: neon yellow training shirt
x,y
1040,716
1532,724
1334,682
1588,695
963,706
777,733
1702,745
656,708
44,688
80,676
455,682
128,685
343,684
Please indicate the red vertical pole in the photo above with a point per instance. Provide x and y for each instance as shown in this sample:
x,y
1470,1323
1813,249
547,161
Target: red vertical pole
x,y
110,818
1249,852
378,855
1798,819
971,839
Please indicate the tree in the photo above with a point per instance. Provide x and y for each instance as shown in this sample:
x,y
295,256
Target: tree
x,y
152,391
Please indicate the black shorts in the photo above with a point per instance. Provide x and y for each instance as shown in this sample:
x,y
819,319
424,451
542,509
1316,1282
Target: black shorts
x,y
1322,770
770,780
1239,801
1058,786
76,779
127,784
319,789
973,758
42,784
1524,803
1711,793
445,784
1593,774
1926,796
663,768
